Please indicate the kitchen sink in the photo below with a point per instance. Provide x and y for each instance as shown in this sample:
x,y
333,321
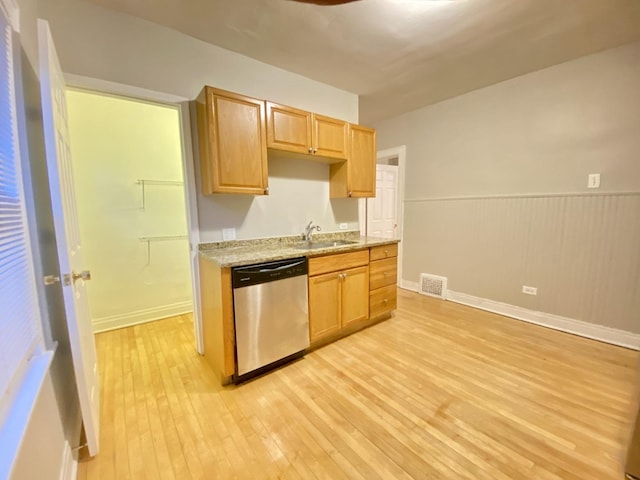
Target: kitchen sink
x,y
328,244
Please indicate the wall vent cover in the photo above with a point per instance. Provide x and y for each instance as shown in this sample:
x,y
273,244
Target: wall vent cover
x,y
433,285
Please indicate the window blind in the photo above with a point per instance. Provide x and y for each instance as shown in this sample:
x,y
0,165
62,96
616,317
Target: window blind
x,y
20,329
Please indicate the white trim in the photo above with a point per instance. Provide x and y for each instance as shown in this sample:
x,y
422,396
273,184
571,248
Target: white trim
x,y
69,470
105,86
408,285
141,316
524,195
12,12
191,193
193,225
564,324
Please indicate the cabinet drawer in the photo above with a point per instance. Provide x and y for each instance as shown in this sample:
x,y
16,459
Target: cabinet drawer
x,y
338,261
382,300
384,251
383,273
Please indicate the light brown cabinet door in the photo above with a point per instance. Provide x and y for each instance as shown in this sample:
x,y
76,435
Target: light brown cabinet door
x,y
288,128
233,148
382,300
383,273
361,172
355,295
324,305
357,176
329,137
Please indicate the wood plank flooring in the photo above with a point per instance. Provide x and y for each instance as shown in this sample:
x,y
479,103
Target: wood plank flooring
x,y
440,391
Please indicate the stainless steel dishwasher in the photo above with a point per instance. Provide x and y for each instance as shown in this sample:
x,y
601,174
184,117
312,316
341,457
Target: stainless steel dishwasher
x,y
271,314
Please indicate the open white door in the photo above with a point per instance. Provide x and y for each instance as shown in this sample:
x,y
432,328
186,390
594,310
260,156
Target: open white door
x,y
382,210
65,215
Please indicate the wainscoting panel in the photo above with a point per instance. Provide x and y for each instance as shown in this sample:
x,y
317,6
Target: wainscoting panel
x,y
581,251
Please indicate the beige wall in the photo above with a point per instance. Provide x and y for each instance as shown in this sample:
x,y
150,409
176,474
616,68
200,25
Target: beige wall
x,y
115,142
99,43
496,193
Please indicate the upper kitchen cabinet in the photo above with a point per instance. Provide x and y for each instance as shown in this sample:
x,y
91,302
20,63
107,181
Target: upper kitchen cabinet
x,y
357,176
330,137
298,131
233,143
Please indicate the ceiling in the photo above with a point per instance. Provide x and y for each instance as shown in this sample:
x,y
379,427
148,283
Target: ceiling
x,y
399,55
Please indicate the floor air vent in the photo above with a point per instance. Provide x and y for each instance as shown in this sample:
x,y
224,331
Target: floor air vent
x,y
433,285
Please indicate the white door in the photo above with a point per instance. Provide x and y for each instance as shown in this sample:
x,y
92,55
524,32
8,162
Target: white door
x,y
65,215
382,210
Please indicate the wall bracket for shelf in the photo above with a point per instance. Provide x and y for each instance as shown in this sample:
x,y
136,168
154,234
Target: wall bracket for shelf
x,y
145,182
159,238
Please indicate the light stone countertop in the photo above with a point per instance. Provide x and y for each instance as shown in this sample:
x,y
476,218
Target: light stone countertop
x,y
246,252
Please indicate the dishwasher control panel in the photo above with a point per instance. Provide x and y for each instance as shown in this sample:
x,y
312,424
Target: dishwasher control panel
x,y
269,272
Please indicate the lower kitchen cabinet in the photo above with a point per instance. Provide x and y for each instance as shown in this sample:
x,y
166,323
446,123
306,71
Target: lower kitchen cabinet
x,y
324,305
347,291
382,300
383,280
354,296
340,298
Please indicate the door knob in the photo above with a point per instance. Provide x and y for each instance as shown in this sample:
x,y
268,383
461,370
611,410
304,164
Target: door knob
x,y
68,279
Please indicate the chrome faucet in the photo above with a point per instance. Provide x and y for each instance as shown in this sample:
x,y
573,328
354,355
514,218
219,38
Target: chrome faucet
x,y
308,231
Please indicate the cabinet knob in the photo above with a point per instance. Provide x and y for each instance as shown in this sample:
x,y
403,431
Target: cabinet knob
x,y
384,273
310,149
350,192
386,301
266,191
386,252
315,150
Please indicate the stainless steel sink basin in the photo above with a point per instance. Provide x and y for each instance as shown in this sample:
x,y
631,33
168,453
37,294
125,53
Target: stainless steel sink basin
x,y
317,245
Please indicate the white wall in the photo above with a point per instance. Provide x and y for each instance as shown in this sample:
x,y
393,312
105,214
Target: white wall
x,y
115,142
496,189
99,43
43,452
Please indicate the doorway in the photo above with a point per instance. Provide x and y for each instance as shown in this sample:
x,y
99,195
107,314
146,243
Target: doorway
x,y
382,215
132,209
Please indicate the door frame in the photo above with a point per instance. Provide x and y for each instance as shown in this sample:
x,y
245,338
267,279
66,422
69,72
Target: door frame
x,y
188,170
400,153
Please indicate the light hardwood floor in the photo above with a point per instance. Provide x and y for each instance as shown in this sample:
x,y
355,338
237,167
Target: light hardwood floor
x,y
440,391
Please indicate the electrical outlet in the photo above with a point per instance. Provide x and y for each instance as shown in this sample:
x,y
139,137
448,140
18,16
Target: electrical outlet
x,y
344,226
593,181
228,234
529,290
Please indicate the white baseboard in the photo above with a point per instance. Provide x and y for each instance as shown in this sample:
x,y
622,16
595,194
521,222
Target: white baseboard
x,y
69,470
564,324
141,316
407,285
